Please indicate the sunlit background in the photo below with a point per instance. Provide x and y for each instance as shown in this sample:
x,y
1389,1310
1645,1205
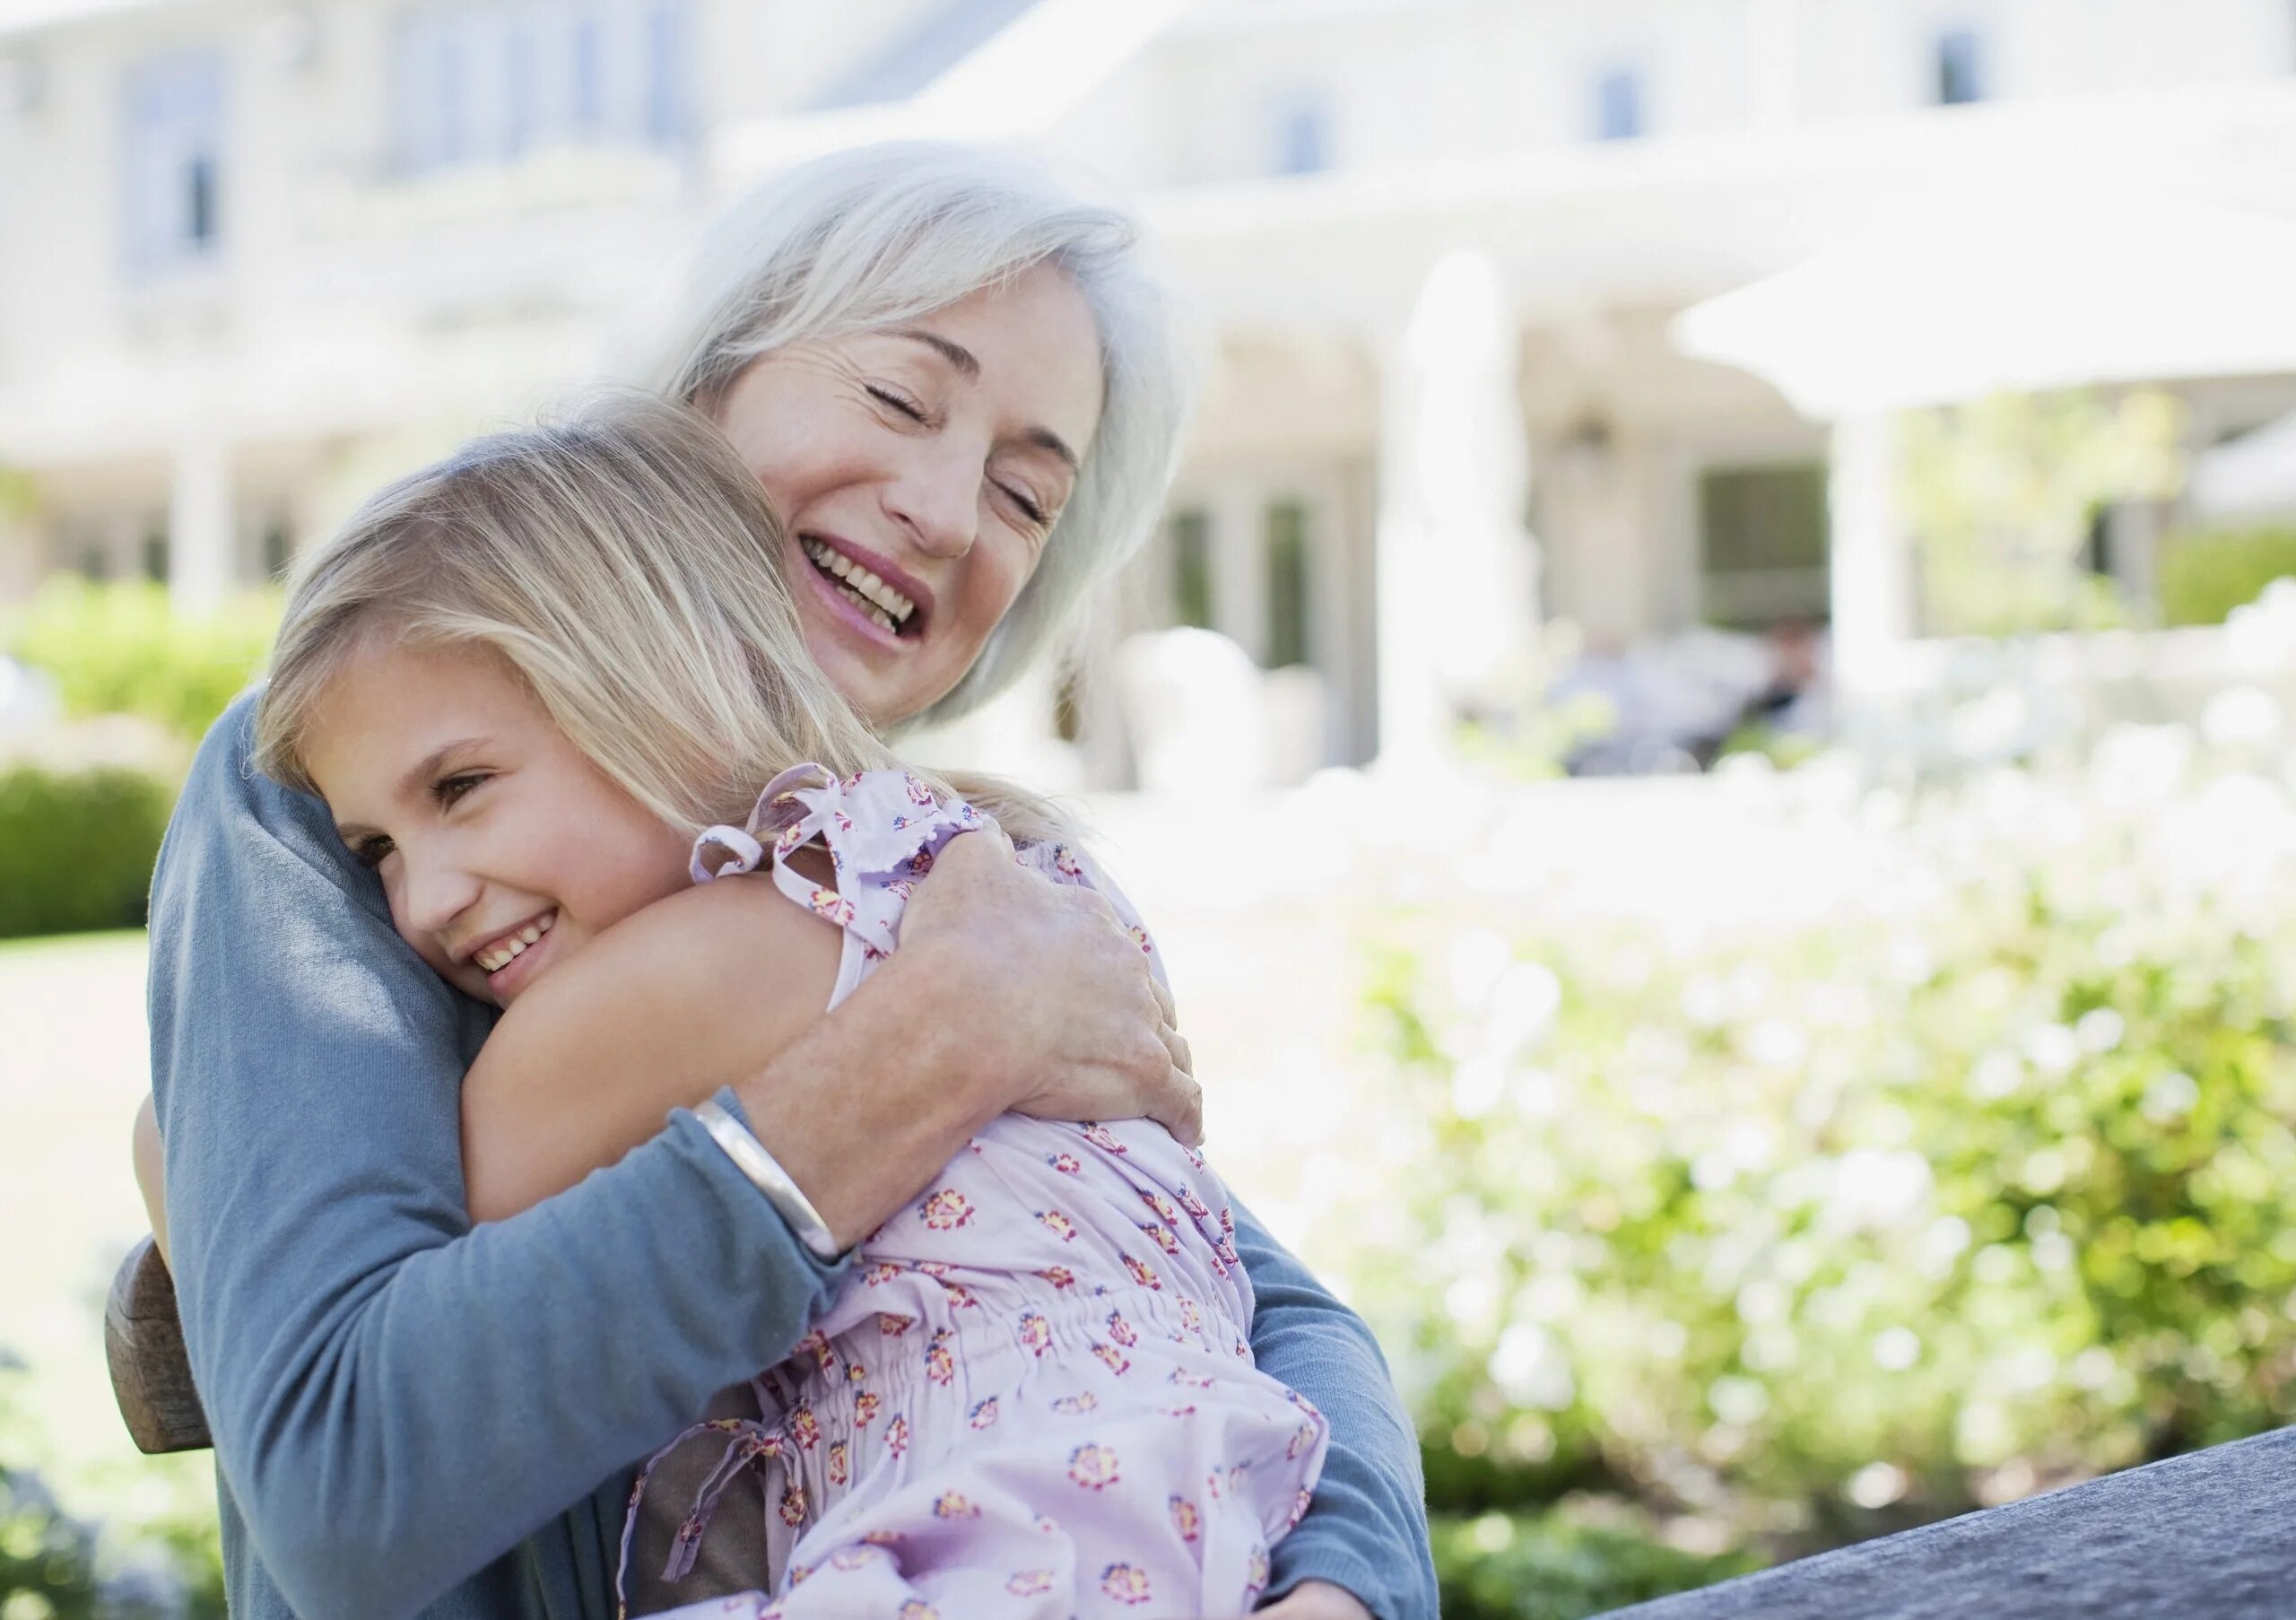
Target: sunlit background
x,y
1706,731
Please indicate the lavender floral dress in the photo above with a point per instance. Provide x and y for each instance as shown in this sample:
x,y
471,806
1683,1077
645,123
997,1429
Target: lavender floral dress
x,y
1035,1397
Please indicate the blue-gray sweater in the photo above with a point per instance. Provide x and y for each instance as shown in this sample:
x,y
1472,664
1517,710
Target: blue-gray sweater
x,y
409,1414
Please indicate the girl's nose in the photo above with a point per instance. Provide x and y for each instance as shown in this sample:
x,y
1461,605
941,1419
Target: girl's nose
x,y
432,894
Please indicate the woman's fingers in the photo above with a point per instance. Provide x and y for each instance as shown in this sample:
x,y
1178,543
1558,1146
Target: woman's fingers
x,y
1182,1110
1164,1001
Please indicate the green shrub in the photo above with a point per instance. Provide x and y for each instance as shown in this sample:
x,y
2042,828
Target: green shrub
x,y
2204,577
57,1567
122,648
1496,1567
1861,1222
77,847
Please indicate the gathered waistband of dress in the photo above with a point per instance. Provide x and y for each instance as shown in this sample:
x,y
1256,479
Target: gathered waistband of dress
x,y
1003,1343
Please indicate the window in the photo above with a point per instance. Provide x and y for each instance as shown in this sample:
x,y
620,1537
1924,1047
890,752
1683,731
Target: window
x,y
1618,105
588,71
1287,595
155,556
1191,536
433,99
1961,67
175,152
669,72
1302,136
1763,536
486,83
278,549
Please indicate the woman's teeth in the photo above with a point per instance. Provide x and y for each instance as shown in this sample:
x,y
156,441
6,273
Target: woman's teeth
x,y
863,588
502,953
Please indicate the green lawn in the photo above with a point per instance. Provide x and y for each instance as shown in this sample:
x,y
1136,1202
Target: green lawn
x,y
72,1064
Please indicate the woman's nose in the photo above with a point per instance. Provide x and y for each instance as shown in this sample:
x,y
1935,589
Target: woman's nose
x,y
938,500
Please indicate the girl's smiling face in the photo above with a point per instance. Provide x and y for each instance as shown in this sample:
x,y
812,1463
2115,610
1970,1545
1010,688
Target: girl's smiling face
x,y
502,849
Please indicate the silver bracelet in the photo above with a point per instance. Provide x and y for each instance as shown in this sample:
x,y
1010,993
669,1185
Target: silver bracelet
x,y
750,1157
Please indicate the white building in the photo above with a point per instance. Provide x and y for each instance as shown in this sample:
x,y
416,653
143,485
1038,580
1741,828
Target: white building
x,y
256,255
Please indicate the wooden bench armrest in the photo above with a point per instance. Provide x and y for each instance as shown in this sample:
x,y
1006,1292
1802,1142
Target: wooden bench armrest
x,y
150,1375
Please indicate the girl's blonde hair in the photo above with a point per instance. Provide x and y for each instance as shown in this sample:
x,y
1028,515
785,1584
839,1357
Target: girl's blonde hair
x,y
629,568
877,235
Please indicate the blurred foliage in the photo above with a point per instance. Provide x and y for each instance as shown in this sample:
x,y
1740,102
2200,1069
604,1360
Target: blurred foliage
x,y
77,845
54,1566
2203,576
1520,730
122,649
16,493
2000,494
1806,1237
1497,1567
1784,749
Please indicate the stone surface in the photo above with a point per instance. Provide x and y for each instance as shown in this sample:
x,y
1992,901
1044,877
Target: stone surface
x,y
2207,1537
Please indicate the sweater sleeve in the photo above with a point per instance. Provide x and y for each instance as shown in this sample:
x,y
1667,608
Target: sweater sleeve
x,y
1367,1527
397,1400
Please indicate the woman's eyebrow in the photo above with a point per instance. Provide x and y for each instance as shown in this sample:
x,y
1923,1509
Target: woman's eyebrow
x,y
964,359
968,366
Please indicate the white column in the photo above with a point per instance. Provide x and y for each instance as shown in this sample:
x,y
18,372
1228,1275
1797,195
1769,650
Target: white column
x,y
1456,571
1237,514
1871,566
200,527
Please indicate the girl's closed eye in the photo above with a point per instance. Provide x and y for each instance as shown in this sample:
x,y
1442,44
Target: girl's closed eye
x,y
450,790
371,850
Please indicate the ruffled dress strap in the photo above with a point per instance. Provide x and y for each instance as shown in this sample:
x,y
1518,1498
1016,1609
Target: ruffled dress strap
x,y
881,828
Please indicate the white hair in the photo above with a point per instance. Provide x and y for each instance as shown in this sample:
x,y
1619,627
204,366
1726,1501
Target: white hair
x,y
881,234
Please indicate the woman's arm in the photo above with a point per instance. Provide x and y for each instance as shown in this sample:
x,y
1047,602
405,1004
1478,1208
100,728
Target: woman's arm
x,y
1367,1528
396,1399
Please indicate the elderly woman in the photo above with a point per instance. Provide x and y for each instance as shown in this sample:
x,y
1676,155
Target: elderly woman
x,y
948,373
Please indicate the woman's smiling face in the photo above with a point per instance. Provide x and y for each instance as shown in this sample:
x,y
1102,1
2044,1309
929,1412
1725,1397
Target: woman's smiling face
x,y
500,848
920,469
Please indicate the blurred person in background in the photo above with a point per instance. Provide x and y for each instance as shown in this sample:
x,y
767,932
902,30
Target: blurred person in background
x,y
964,399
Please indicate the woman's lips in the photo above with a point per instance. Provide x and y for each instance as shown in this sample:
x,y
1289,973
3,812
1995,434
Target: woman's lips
x,y
842,607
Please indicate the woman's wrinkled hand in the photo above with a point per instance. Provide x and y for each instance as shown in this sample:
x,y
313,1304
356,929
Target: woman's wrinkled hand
x,y
1050,996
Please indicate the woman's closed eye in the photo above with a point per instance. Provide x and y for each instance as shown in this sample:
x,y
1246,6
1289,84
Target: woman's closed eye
x,y
895,400
371,850
1030,506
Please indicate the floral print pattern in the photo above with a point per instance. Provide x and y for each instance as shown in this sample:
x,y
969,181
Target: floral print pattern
x,y
1006,1336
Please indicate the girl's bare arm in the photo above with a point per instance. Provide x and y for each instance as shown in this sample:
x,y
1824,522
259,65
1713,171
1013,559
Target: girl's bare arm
x,y
697,991
1008,992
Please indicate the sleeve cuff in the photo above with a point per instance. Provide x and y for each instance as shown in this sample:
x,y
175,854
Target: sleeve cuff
x,y
1341,1565
703,1151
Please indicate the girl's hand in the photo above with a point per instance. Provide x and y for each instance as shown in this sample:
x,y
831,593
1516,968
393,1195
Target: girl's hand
x,y
1315,1600
1043,988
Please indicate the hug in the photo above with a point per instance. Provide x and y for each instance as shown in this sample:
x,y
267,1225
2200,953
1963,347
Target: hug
x,y
629,1138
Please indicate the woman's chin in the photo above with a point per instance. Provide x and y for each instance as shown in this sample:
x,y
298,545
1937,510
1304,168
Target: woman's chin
x,y
879,694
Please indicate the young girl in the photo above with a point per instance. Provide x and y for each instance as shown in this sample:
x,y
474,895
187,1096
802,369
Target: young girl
x,y
538,687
